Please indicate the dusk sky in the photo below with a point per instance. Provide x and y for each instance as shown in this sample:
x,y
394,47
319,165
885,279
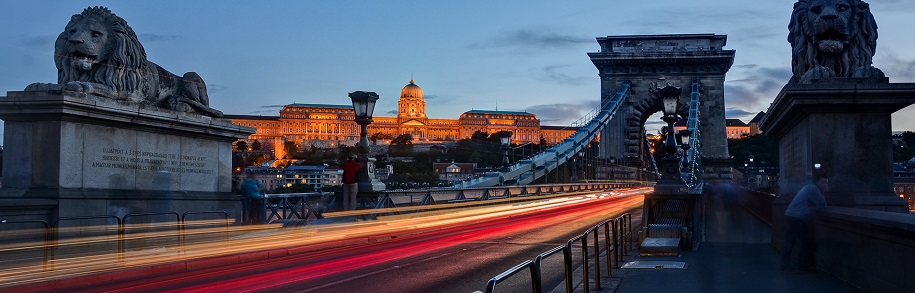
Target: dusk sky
x,y
257,56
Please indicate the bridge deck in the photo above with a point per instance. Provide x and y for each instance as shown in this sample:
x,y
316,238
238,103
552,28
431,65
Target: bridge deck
x,y
735,256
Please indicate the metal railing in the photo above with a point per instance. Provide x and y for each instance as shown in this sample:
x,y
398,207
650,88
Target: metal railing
x,y
759,204
394,202
46,253
617,243
302,206
52,231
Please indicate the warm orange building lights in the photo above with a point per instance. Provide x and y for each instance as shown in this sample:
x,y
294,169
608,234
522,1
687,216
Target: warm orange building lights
x,y
325,125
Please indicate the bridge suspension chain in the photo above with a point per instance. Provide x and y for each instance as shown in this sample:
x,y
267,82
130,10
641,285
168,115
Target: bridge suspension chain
x,y
526,171
691,164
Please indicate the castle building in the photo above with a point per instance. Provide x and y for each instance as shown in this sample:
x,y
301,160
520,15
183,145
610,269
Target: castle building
x,y
325,125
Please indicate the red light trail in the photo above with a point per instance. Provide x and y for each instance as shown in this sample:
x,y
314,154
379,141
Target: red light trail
x,y
402,236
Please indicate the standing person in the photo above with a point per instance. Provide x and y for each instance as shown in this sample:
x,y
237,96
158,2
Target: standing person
x,y
253,199
350,187
800,226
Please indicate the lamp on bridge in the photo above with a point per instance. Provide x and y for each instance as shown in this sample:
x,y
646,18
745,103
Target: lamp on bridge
x,y
506,140
684,137
363,106
671,181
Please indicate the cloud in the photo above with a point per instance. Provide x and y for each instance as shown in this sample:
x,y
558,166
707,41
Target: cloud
x,y
267,109
440,99
553,74
391,112
44,41
736,113
560,114
215,88
528,38
746,66
898,69
148,37
758,89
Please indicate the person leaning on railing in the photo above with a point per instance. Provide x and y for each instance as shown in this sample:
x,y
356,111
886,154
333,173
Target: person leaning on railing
x,y
252,195
800,226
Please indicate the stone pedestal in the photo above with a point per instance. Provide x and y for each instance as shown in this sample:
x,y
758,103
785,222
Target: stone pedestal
x,y
99,156
844,125
366,178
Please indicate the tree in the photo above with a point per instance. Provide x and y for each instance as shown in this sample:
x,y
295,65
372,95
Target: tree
x,y
906,149
403,139
479,135
241,145
376,136
402,145
763,148
292,150
256,145
497,137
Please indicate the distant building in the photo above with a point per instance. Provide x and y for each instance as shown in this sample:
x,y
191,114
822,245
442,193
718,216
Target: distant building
x,y
332,176
268,178
384,173
454,171
736,128
904,181
754,123
311,176
328,125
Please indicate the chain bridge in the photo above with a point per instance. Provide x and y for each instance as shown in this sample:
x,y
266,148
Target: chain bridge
x,y
632,69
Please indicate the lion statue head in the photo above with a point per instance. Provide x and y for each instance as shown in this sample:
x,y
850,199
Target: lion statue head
x,y
832,38
98,46
99,54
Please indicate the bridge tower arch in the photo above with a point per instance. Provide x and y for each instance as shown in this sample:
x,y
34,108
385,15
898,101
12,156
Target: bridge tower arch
x,y
653,61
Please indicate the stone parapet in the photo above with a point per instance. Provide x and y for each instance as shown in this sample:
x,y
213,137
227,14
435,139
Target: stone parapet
x,y
869,249
843,126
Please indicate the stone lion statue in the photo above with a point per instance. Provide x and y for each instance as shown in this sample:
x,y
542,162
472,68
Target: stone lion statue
x,y
99,54
832,38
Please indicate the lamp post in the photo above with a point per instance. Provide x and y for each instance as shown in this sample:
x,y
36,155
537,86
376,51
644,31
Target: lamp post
x,y
612,168
752,172
670,181
506,140
363,106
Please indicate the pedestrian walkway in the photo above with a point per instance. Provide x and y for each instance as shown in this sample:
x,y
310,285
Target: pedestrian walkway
x,y
736,256
726,267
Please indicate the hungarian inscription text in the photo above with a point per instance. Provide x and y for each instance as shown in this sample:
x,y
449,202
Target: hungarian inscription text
x,y
128,159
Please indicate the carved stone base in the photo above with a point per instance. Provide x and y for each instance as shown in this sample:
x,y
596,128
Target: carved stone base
x,y
843,125
98,156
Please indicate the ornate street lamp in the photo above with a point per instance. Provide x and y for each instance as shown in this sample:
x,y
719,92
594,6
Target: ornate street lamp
x,y
671,181
671,98
506,140
363,106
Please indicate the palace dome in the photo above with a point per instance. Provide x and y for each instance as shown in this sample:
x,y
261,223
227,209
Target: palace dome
x,y
411,91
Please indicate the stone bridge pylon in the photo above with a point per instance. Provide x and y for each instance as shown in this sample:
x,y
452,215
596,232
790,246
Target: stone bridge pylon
x,y
650,61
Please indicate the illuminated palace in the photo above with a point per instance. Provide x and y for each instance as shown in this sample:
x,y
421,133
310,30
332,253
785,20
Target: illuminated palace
x,y
325,125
